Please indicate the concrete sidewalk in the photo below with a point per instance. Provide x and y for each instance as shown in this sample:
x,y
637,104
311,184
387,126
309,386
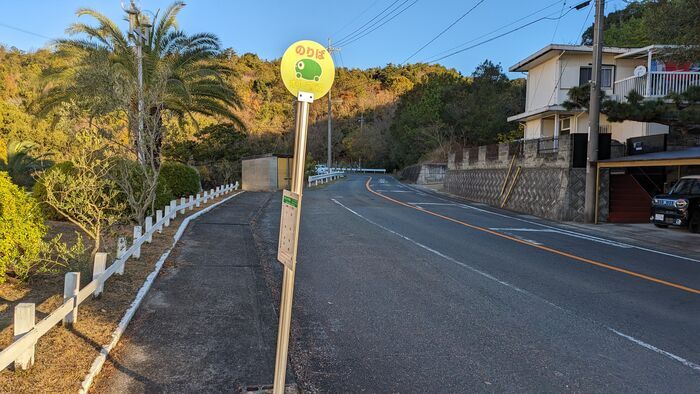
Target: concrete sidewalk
x,y
208,323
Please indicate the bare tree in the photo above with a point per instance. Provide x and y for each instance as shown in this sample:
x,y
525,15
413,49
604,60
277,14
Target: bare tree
x,y
86,195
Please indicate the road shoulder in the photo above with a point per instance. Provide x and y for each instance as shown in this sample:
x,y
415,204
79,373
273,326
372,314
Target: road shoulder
x,y
208,323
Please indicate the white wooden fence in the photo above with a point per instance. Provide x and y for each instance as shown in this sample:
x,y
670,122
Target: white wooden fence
x,y
27,332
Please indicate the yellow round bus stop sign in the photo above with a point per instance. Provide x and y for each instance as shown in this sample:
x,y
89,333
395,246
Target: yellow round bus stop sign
x,y
307,67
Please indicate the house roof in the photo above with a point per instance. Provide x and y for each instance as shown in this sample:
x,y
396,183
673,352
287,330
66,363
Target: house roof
x,y
553,49
637,53
537,113
690,156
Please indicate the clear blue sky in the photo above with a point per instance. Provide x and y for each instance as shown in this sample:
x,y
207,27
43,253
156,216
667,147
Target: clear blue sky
x,y
267,27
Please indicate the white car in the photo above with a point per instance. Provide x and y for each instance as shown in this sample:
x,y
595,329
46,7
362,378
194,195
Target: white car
x,y
321,169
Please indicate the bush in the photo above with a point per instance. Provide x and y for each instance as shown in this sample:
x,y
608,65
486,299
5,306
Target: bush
x,y
163,193
22,230
39,191
134,173
182,180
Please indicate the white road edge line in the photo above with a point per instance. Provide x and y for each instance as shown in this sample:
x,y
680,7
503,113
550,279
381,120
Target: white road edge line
x,y
99,361
573,233
681,360
643,344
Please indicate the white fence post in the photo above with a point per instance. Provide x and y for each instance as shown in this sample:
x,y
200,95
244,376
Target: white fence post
x,y
121,250
182,205
198,200
121,246
159,217
98,268
211,193
71,287
206,197
167,216
25,319
191,202
149,227
235,187
173,209
137,241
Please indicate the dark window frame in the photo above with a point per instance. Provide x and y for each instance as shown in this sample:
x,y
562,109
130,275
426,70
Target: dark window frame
x,y
610,67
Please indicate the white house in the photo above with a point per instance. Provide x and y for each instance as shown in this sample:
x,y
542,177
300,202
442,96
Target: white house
x,y
555,69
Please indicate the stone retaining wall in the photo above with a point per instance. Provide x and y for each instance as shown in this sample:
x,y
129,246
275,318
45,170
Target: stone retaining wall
x,y
547,185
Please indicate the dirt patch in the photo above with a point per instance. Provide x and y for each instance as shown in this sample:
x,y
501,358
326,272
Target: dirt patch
x,y
64,355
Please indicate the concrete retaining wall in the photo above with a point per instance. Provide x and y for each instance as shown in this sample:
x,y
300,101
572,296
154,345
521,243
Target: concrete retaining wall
x,y
547,185
425,174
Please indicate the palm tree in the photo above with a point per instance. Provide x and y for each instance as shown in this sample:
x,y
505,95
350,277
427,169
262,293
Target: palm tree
x,y
22,164
182,75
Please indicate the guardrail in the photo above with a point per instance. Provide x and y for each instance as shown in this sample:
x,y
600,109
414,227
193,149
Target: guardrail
x,y
27,332
323,178
354,169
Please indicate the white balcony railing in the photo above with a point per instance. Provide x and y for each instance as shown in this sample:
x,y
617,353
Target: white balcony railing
x,y
657,84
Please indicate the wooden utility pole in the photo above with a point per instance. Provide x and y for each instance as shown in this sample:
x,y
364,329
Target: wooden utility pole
x,y
594,114
330,49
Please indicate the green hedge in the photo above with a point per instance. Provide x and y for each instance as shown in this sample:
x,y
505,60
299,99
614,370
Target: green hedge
x,y
22,230
39,191
182,180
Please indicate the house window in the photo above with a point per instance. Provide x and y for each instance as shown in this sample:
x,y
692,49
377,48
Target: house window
x,y
606,76
565,126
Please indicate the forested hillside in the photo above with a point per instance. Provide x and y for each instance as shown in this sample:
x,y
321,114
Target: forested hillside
x,y
390,116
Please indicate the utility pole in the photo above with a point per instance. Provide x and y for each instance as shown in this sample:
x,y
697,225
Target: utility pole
x,y
362,123
594,114
330,49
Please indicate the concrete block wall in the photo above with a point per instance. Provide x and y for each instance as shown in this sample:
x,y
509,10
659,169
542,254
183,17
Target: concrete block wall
x,y
547,185
425,174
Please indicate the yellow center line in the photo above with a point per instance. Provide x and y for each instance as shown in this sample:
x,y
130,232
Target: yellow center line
x,y
534,245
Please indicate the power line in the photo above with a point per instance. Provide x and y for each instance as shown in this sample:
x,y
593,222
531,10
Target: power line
x,y
384,23
25,31
354,32
444,30
503,34
494,31
356,18
554,35
585,22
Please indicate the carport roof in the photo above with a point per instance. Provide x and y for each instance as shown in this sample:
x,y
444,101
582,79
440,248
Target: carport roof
x,y
690,156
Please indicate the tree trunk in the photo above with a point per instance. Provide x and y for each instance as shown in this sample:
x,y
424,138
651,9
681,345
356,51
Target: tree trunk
x,y
96,248
157,134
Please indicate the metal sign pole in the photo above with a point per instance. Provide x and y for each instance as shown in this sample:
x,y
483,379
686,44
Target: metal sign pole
x,y
300,134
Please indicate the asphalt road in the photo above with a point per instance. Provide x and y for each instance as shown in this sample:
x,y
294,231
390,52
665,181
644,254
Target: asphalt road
x,y
402,290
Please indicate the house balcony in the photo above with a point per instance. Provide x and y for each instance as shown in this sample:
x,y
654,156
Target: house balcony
x,y
656,84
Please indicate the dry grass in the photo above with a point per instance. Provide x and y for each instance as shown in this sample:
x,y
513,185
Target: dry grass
x,y
64,355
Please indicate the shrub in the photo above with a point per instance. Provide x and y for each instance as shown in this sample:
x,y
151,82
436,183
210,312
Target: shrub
x,y
39,191
182,180
163,193
126,169
22,230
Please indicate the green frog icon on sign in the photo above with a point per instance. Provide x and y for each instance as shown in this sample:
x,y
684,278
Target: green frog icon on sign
x,y
309,70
